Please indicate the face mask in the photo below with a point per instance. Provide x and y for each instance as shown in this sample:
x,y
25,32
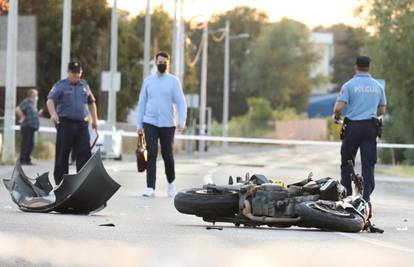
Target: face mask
x,y
162,67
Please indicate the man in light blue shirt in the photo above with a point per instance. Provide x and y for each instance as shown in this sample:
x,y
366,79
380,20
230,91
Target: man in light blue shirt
x,y
365,100
160,97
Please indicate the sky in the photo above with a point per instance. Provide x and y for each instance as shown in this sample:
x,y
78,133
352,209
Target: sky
x,y
310,12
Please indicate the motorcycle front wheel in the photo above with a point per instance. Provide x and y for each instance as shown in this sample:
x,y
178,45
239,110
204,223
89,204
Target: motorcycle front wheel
x,y
325,217
205,203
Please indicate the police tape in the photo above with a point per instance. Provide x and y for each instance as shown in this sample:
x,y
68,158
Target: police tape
x,y
246,140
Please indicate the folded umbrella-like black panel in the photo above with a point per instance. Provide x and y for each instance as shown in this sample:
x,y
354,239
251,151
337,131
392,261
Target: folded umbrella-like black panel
x,y
80,193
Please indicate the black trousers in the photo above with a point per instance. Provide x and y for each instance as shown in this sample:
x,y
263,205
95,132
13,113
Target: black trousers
x,y
27,143
166,137
70,134
360,135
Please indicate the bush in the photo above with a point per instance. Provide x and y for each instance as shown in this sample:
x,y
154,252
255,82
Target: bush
x,y
409,156
44,149
288,114
334,130
258,121
260,112
391,156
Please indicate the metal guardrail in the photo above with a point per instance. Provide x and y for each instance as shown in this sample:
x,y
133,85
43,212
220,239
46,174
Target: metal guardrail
x,y
239,139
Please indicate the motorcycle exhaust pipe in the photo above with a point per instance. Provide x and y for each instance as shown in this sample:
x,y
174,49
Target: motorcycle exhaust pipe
x,y
247,211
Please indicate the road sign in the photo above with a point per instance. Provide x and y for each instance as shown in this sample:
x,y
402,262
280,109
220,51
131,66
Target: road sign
x,y
192,100
110,81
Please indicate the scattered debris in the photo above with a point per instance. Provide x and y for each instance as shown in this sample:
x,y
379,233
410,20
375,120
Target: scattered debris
x,y
107,224
214,228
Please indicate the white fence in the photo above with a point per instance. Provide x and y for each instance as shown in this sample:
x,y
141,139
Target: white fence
x,y
241,140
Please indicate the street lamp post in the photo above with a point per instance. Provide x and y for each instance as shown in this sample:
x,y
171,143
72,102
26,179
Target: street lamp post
x,y
113,67
227,38
203,88
226,81
10,94
147,40
177,57
65,53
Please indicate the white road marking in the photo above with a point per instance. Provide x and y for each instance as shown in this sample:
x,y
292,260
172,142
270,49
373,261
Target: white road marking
x,y
378,242
64,253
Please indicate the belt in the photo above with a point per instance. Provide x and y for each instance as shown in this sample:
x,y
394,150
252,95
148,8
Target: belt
x,y
361,121
65,119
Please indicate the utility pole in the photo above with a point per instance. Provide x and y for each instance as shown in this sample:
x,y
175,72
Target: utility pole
x,y
147,41
203,88
181,62
226,81
174,44
178,41
10,101
65,56
113,67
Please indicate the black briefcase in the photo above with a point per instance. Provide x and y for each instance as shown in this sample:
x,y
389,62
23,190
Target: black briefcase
x,y
141,153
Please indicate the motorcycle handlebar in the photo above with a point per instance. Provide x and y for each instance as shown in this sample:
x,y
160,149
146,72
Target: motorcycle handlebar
x,y
357,179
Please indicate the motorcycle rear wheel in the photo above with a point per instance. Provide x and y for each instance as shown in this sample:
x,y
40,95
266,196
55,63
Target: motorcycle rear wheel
x,y
203,203
326,218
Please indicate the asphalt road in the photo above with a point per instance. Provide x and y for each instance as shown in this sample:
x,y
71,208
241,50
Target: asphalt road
x,y
150,232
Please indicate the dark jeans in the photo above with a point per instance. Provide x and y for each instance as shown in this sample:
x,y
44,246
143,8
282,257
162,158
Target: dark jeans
x,y
71,134
27,143
360,135
166,136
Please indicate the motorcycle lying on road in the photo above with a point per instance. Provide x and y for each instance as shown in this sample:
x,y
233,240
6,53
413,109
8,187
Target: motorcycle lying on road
x,y
257,201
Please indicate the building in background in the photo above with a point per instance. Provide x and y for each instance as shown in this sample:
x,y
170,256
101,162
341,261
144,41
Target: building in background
x,y
324,44
26,57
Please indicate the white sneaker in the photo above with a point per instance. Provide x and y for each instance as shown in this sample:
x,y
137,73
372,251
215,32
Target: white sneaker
x,y
171,190
149,192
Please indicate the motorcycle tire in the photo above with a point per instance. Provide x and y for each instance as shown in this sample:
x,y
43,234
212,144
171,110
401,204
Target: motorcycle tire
x,y
202,203
328,218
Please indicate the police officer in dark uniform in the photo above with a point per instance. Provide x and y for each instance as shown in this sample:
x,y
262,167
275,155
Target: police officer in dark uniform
x,y
365,100
67,103
29,118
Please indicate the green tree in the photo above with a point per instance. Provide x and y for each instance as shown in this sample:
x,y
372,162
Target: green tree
x,y
49,27
161,29
192,45
89,35
130,53
90,43
279,65
255,123
261,111
392,24
242,20
348,44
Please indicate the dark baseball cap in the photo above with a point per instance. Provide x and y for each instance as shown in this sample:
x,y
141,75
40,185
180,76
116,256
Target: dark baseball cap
x,y
363,61
74,66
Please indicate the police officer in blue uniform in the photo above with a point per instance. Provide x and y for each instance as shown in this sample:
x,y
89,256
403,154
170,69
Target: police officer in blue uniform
x,y
365,100
67,103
